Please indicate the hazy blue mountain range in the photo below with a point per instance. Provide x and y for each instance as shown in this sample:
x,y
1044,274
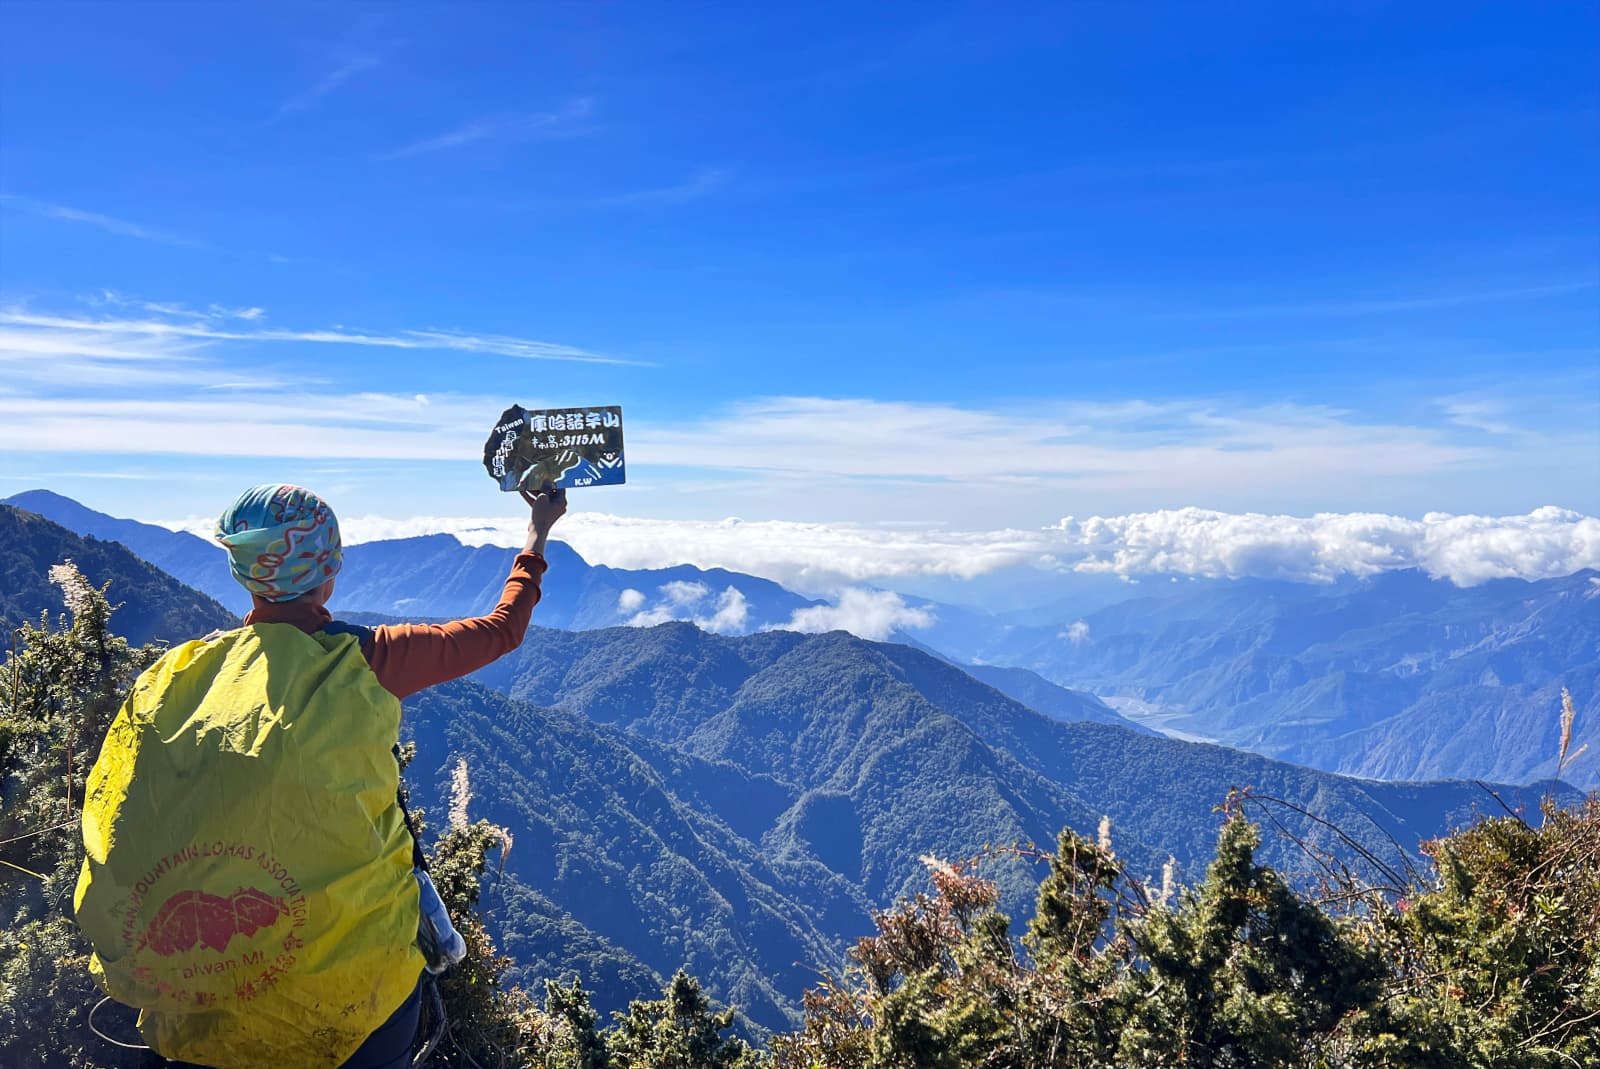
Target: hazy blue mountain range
x,y
1041,695
1398,675
1024,595
153,606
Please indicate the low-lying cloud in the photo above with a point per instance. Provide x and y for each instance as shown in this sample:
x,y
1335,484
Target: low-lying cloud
x,y
869,614
727,614
1465,549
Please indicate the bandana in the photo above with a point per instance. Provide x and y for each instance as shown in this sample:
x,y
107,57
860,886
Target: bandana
x,y
282,541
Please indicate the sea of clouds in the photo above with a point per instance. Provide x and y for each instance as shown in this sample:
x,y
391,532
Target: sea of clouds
x,y
834,561
1466,550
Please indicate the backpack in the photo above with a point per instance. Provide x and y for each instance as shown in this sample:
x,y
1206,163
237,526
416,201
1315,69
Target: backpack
x,y
248,883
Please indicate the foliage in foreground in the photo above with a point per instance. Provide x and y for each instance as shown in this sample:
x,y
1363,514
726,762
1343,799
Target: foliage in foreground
x,y
1495,961
1491,960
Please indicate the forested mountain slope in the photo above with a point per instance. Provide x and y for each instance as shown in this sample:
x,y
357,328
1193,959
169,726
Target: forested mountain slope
x,y
631,860
193,561
153,605
794,780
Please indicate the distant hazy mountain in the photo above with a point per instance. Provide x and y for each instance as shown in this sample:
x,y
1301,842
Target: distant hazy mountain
x,y
1394,676
1059,703
152,606
1023,595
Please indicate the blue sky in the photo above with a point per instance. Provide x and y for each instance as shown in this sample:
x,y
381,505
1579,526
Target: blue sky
x,y
958,266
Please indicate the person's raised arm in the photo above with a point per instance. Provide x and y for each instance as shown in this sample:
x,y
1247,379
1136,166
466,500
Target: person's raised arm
x,y
547,506
409,657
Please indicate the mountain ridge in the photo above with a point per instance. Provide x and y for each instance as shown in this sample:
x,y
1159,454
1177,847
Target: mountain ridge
x,y
148,604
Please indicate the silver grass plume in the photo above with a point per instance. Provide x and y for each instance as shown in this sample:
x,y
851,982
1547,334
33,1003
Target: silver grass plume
x,y
75,589
460,794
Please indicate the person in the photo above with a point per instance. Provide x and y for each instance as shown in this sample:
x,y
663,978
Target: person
x,y
249,874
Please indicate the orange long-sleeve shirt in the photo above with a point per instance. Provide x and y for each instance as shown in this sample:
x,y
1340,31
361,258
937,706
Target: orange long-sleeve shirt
x,y
410,657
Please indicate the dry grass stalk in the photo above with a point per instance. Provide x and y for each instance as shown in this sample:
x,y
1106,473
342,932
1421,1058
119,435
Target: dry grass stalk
x,y
1569,713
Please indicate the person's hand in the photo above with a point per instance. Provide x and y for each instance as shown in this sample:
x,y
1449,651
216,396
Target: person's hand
x,y
546,507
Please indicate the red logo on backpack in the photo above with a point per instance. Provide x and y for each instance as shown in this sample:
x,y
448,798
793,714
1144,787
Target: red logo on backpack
x,y
193,918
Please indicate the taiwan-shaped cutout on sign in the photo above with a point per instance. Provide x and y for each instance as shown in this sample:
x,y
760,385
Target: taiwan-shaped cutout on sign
x,y
566,446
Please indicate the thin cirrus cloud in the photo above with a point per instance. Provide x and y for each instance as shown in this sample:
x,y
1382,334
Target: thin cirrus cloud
x,y
207,329
859,459
700,185
333,80
107,223
58,369
505,128
1129,444
1480,415
1386,305
211,313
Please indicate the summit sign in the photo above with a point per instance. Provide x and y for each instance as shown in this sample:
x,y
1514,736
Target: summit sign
x,y
567,447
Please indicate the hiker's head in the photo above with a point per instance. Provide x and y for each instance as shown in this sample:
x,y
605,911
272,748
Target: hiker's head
x,y
282,542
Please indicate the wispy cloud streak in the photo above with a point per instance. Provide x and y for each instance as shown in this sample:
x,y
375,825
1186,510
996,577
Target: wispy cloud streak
x,y
509,128
120,227
203,329
1389,305
705,182
339,76
1197,443
211,313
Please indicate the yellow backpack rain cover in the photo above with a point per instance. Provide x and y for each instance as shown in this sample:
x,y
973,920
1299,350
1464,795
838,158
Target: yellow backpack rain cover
x,y
248,880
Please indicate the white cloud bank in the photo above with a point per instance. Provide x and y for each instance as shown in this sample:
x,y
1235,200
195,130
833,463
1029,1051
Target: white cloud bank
x,y
869,614
1466,550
